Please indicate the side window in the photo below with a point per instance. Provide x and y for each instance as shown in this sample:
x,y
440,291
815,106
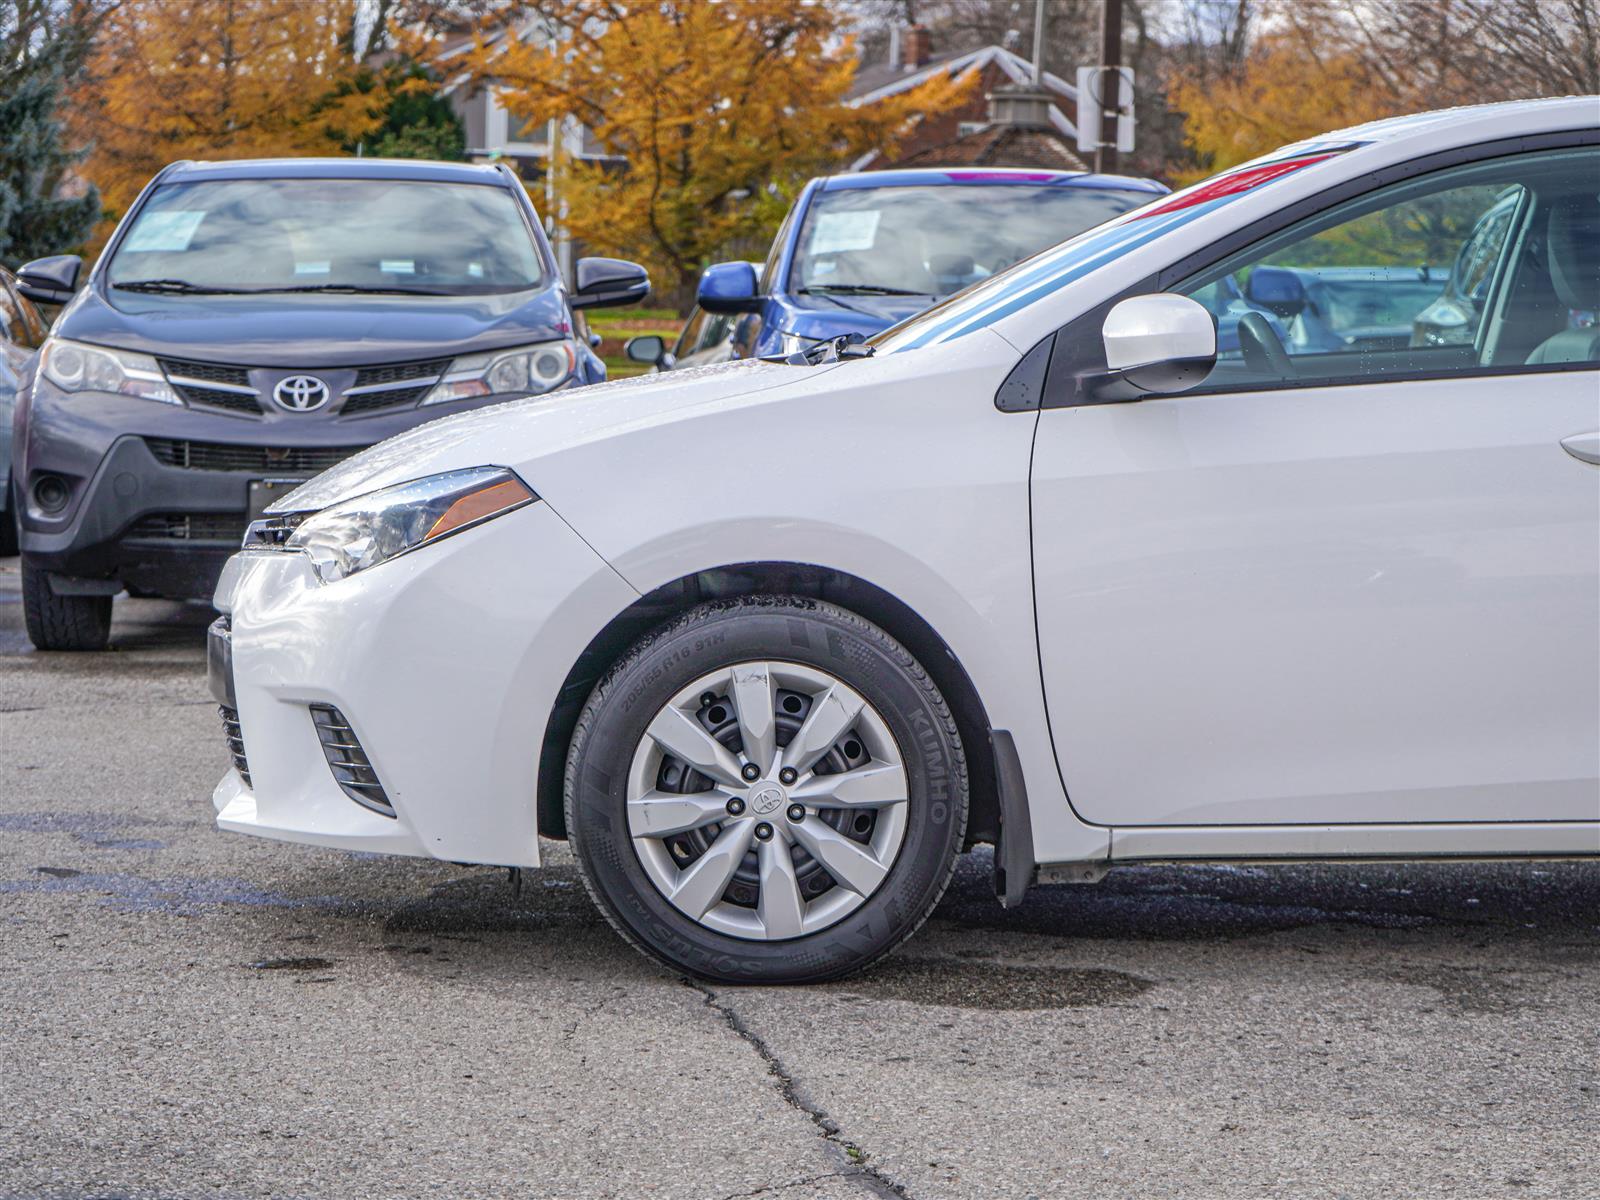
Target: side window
x,y
13,325
688,340
1456,271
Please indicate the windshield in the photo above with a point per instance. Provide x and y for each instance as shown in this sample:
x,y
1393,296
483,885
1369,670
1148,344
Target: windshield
x,y
932,241
353,235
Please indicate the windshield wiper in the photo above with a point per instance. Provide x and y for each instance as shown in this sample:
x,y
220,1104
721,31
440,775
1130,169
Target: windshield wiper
x,y
350,289
173,285
858,289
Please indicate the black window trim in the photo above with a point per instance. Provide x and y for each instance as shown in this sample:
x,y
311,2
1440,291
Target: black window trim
x,y
1303,209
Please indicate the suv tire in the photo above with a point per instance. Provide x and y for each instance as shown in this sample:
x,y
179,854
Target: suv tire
x,y
62,622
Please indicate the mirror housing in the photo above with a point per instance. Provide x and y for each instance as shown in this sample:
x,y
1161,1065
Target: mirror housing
x,y
1160,344
604,282
729,287
50,280
650,349
1278,290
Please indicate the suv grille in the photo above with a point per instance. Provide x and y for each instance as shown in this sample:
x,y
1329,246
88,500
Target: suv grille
x,y
203,373
351,767
235,736
219,456
190,527
398,372
385,378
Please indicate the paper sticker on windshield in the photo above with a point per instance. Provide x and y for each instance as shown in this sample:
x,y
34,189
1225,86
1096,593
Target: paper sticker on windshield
x,y
837,232
159,231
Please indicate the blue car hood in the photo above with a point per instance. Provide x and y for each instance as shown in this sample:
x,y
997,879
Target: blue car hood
x,y
820,316
307,331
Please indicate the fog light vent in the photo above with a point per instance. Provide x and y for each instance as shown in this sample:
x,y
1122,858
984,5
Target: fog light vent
x,y
352,770
230,726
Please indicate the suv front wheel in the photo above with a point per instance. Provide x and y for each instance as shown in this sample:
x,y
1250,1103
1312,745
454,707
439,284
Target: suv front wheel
x,y
767,790
62,622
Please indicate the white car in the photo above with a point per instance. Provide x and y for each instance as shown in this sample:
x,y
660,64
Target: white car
x,y
772,642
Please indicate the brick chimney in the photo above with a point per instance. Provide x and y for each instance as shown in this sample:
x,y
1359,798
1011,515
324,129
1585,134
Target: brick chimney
x,y
916,47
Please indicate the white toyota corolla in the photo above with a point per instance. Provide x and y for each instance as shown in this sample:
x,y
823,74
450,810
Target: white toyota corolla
x,y
1262,522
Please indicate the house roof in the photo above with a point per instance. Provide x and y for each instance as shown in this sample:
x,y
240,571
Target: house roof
x,y
1000,146
880,81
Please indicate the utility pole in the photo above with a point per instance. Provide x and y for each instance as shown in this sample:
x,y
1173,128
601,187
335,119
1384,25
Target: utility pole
x,y
1038,43
1105,158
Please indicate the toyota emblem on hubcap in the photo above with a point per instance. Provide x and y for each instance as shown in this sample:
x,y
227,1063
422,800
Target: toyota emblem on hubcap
x,y
301,393
767,799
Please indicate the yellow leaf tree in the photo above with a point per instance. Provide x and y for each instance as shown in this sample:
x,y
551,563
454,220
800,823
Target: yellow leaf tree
x,y
219,79
713,113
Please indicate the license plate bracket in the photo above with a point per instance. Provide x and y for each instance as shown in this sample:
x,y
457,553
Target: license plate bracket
x,y
266,492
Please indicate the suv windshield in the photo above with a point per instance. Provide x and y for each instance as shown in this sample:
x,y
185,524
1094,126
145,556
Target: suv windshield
x,y
341,235
934,240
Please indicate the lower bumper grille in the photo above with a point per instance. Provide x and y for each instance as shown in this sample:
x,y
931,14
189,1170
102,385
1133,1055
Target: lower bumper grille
x,y
191,527
351,767
235,735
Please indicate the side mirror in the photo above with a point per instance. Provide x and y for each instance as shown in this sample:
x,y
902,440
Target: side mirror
x,y
729,287
50,280
1160,344
1278,290
603,282
650,349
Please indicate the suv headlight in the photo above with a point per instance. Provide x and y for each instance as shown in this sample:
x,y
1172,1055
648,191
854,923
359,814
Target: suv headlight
x,y
360,533
76,367
526,370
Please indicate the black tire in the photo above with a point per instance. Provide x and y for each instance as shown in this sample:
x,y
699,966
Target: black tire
x,y
716,636
62,622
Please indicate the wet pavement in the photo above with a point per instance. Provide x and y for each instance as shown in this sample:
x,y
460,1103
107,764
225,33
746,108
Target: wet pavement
x,y
193,1014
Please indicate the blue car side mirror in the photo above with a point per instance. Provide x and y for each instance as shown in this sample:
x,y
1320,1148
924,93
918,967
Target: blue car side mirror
x,y
50,280
1277,289
729,287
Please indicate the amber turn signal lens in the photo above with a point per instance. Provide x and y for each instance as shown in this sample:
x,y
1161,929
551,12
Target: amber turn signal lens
x,y
476,506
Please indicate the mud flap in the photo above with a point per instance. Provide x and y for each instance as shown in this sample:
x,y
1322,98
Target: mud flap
x,y
1014,863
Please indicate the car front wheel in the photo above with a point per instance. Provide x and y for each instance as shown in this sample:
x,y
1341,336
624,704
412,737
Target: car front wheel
x,y
62,622
767,790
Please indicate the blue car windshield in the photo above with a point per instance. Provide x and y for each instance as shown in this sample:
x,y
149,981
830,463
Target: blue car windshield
x,y
935,240
355,235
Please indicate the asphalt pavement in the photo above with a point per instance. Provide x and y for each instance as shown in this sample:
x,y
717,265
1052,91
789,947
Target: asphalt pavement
x,y
186,1013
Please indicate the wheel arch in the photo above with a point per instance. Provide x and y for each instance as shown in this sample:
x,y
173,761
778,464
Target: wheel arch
x,y
848,591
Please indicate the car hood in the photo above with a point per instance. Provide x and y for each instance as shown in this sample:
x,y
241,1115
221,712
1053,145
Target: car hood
x,y
507,434
821,316
298,331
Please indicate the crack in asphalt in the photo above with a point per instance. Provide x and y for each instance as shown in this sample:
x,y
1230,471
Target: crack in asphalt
x,y
852,1158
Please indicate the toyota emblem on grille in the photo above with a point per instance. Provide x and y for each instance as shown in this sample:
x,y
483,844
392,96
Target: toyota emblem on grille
x,y
301,393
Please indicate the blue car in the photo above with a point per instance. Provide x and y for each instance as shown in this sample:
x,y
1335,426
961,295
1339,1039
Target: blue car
x,y
858,253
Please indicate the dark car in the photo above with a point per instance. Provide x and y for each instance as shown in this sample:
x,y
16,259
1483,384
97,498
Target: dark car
x,y
860,252
22,331
253,323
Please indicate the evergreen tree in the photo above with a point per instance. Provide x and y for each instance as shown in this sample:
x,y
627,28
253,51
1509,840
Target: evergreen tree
x,y
43,44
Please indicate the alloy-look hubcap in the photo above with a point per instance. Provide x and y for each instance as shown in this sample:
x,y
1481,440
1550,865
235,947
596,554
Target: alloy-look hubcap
x,y
767,800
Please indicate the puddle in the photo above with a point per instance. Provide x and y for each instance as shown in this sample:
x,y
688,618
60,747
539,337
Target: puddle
x,y
994,987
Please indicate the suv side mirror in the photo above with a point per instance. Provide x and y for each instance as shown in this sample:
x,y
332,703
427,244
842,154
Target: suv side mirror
x,y
603,282
50,280
729,287
1278,290
650,349
1160,344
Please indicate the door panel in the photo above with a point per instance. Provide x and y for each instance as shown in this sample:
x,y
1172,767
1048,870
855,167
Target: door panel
x,y
1328,605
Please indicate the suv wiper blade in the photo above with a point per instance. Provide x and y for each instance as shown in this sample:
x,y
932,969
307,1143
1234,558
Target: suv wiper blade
x,y
350,289
858,289
173,285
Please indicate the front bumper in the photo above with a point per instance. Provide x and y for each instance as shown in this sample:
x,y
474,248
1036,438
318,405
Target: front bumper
x,y
446,663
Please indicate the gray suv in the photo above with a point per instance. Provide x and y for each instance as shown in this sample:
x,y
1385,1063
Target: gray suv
x,y
251,324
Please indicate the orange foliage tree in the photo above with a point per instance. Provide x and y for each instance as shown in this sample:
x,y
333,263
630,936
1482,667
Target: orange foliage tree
x,y
1282,92
219,79
713,114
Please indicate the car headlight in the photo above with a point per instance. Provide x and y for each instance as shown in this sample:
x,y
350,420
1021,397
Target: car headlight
x,y
367,530
526,370
76,367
